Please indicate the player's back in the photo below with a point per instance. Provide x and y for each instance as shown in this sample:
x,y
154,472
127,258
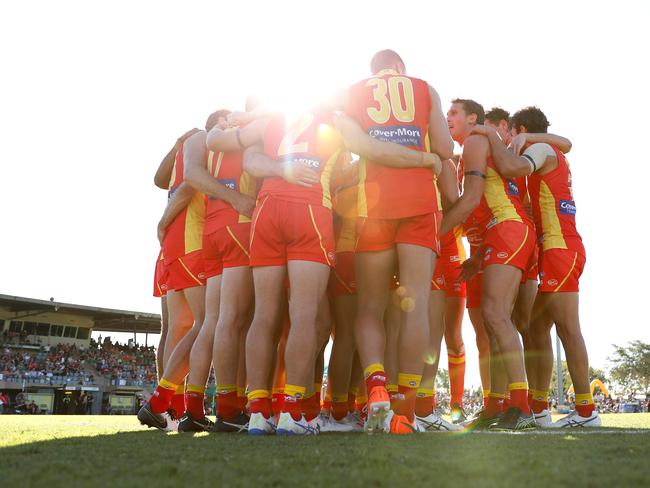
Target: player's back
x,y
394,108
310,140
554,209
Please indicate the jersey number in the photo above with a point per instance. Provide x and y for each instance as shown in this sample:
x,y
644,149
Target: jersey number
x,y
388,96
288,144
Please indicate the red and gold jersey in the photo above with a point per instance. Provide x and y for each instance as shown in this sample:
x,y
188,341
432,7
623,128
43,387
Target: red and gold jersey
x,y
185,234
500,202
394,108
227,168
554,209
311,140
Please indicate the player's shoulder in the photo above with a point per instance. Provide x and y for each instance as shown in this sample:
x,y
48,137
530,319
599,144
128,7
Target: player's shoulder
x,y
476,143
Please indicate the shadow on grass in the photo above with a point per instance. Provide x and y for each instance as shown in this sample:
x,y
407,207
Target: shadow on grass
x,y
153,458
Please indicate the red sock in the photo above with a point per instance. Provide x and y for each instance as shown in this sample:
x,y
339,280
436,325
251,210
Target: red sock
x,y
351,401
377,378
161,399
261,405
243,402
585,410
339,410
292,405
519,398
406,404
194,402
276,402
424,405
395,398
228,405
506,402
494,405
538,405
311,407
178,404
456,378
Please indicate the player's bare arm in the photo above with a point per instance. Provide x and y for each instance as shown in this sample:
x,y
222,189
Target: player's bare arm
x,y
178,201
448,184
475,153
508,163
236,140
384,153
197,175
164,171
439,136
521,140
261,165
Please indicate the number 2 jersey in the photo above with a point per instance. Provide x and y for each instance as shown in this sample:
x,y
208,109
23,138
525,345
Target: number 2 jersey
x,y
394,108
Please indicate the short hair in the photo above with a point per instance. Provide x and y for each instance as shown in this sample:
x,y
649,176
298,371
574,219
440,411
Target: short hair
x,y
472,107
532,118
383,60
497,114
214,117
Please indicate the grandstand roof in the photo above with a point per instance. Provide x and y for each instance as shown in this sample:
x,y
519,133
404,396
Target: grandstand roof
x,y
104,319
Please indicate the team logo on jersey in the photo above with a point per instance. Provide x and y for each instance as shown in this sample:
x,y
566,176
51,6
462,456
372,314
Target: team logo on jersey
x,y
552,282
513,189
502,255
405,135
567,207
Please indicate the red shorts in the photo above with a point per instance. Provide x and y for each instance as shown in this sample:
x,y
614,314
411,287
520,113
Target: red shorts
x,y
160,277
342,278
226,248
511,243
533,269
382,234
474,290
560,270
284,231
186,272
445,276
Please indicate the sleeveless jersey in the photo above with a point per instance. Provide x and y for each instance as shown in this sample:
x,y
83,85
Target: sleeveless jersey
x,y
394,108
311,140
185,234
554,209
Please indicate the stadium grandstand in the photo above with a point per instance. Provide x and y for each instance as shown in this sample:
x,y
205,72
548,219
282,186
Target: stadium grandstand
x,y
49,362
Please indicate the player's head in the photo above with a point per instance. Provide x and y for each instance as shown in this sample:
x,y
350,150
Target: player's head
x,y
219,119
529,119
387,59
462,116
498,118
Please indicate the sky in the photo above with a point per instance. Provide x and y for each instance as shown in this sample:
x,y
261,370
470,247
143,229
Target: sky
x,y
94,94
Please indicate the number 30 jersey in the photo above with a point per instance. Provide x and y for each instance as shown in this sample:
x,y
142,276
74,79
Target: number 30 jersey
x,y
394,108
310,140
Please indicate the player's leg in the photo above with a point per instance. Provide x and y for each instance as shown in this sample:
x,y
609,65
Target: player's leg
x,y
540,349
392,322
180,321
521,317
454,311
311,401
342,355
164,326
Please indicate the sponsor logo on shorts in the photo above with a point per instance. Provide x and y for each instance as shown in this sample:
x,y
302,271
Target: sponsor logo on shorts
x,y
491,223
552,282
567,207
488,253
201,276
405,135
454,259
502,255
440,281
513,189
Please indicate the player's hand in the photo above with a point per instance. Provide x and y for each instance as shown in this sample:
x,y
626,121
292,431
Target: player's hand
x,y
469,269
481,130
517,144
433,161
237,119
188,134
299,174
161,233
244,204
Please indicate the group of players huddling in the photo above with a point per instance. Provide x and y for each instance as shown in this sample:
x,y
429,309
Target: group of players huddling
x,y
274,240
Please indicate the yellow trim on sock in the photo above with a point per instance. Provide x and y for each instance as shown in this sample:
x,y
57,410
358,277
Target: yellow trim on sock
x,y
584,399
486,393
409,380
392,388
294,391
339,397
195,389
372,369
361,400
241,391
278,391
456,359
225,389
255,394
522,385
168,385
425,392
539,395
502,396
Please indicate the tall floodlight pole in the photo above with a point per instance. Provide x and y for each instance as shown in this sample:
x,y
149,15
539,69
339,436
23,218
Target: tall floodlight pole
x,y
558,366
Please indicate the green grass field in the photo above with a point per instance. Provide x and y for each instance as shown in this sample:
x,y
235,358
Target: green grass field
x,y
49,451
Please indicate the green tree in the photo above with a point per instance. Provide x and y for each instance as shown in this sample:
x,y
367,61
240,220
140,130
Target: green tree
x,y
597,374
631,366
442,380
